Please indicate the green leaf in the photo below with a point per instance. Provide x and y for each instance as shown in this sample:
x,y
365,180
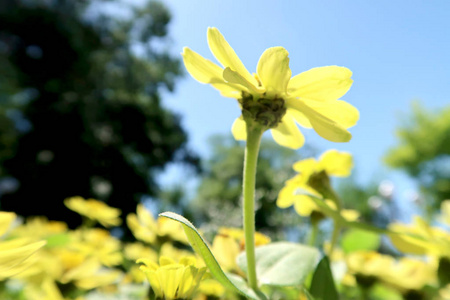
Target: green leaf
x,y
322,284
444,271
234,283
336,216
57,240
357,239
282,263
307,294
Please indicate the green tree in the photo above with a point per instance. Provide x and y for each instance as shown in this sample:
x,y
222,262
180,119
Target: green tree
x,y
218,199
423,152
81,111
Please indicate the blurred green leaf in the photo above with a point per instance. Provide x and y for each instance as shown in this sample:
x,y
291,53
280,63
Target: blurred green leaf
x,y
282,263
322,285
357,239
57,240
444,271
199,245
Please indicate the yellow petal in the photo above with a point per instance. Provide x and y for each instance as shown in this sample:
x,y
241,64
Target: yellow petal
x,y
235,77
323,83
155,282
14,252
273,69
202,69
286,196
300,118
337,163
304,206
325,127
239,129
287,133
6,219
306,166
228,90
223,52
339,111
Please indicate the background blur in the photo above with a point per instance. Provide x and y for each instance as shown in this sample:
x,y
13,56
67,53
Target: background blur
x,y
94,102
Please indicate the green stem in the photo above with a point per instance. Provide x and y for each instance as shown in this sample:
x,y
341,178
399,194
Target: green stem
x,y
334,237
314,233
250,162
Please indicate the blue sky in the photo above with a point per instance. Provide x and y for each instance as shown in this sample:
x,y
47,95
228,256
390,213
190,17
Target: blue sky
x,y
398,52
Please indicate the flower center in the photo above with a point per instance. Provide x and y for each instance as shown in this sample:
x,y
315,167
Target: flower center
x,y
267,112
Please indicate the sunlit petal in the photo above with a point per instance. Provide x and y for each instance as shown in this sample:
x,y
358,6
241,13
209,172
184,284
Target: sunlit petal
x,y
325,127
223,52
304,206
236,78
337,163
299,117
339,111
323,83
286,196
239,129
287,133
228,90
273,69
202,69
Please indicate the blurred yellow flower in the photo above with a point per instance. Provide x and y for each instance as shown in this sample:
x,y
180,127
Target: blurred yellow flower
x,y
212,288
97,243
134,251
6,220
403,274
14,253
47,290
313,179
171,280
14,256
90,274
444,293
40,228
146,229
410,274
169,250
445,212
369,263
420,238
95,210
272,98
229,242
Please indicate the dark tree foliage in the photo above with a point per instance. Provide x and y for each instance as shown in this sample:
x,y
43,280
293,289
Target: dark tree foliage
x,y
80,106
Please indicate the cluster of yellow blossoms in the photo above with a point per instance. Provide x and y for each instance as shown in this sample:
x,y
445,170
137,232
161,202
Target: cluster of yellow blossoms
x,y
47,260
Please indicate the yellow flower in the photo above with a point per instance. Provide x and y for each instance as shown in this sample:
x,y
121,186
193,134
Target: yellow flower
x,y
171,280
410,274
99,244
14,253
420,238
272,98
40,228
90,274
445,212
229,242
47,290
133,251
444,292
6,220
146,229
95,210
403,274
313,179
369,263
